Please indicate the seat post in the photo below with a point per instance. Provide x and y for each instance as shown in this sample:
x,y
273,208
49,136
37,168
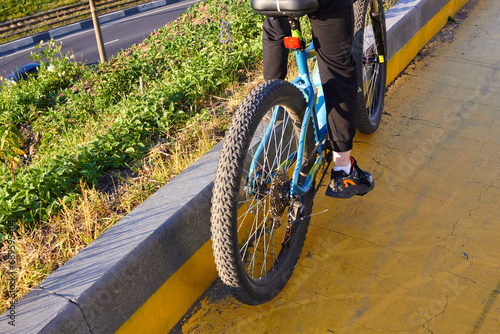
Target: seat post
x,y
296,34
294,23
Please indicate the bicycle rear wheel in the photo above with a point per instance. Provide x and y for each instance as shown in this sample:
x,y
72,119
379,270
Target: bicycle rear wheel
x,y
369,51
250,210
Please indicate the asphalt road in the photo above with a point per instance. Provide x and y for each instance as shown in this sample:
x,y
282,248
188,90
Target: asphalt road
x,y
117,35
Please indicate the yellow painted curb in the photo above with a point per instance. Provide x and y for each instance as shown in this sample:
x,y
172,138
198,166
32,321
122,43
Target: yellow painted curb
x,y
405,55
167,305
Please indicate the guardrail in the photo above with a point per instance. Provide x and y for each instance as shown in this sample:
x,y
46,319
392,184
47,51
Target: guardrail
x,y
58,17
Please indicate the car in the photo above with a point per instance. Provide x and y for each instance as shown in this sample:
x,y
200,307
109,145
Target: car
x,y
23,73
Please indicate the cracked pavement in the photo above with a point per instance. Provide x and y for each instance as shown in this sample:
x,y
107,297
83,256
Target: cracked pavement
x,y
420,253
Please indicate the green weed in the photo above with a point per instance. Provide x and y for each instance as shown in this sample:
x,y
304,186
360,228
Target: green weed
x,y
88,121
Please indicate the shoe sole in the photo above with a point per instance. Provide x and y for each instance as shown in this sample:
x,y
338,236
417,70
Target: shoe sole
x,y
348,193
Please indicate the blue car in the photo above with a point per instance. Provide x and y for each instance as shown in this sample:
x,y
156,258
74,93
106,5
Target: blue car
x,y
23,72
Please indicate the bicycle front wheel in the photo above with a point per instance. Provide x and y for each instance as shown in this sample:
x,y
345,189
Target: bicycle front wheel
x,y
251,202
369,51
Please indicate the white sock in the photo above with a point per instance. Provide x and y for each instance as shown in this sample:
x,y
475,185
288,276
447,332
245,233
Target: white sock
x,y
346,169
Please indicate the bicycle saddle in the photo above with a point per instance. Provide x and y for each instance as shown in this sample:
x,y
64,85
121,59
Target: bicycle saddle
x,y
285,8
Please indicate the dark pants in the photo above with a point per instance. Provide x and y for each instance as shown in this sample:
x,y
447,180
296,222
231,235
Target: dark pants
x,y
333,29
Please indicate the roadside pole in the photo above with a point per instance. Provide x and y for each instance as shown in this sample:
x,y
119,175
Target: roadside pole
x,y
97,29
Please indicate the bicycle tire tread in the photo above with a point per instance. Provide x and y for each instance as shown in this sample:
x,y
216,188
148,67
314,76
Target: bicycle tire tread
x,y
223,214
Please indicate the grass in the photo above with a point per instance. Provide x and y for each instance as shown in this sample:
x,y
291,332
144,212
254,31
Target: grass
x,y
44,248
84,123
14,9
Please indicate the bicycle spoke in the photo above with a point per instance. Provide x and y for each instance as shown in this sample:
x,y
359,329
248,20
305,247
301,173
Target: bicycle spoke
x,y
248,224
370,85
258,250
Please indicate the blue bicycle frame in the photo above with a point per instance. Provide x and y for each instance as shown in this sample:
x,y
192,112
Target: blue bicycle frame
x,y
315,110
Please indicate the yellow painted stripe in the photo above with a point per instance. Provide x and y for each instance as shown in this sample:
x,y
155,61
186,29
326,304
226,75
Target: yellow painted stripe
x,y
405,55
167,305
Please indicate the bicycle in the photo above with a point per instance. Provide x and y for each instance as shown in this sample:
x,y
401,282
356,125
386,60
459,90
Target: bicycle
x,y
276,144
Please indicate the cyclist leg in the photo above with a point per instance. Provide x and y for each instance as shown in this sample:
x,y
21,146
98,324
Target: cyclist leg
x,y
275,55
333,28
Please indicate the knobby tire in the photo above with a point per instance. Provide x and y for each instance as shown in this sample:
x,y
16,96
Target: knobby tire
x,y
241,264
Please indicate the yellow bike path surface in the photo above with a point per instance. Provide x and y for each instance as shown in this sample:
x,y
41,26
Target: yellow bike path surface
x,y
421,252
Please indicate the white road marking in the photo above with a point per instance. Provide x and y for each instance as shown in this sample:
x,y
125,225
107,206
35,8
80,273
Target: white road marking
x,y
153,11
15,53
89,31
116,40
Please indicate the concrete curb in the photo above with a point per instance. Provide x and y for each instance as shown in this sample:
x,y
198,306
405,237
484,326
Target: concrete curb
x,y
146,271
406,18
83,25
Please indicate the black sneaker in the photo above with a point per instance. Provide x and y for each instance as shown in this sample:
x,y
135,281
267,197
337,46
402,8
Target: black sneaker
x,y
357,182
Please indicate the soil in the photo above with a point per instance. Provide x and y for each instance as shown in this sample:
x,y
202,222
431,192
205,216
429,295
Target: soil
x,y
31,141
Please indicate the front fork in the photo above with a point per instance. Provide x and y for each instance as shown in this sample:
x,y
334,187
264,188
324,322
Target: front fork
x,y
376,15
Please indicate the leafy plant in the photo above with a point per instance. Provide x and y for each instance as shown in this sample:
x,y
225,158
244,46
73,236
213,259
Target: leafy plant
x,y
90,120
